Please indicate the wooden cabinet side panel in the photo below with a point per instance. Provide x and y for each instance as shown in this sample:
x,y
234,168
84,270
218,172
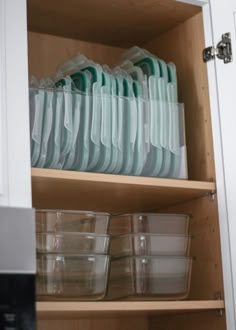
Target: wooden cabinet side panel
x,y
183,46
207,278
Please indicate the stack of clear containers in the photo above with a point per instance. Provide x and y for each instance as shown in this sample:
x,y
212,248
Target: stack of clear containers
x,y
150,257
72,259
125,120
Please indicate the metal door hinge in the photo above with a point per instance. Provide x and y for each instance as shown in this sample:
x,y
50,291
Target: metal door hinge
x,y
219,297
211,196
223,50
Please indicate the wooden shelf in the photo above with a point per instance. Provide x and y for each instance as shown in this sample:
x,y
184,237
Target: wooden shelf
x,y
68,309
111,193
119,22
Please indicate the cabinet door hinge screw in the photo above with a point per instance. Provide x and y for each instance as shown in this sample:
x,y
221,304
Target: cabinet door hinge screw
x,y
218,297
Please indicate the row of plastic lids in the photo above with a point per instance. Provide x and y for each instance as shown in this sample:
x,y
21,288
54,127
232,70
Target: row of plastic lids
x,y
125,120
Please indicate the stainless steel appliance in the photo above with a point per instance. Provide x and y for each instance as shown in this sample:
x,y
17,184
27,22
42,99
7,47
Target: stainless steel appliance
x,y
17,269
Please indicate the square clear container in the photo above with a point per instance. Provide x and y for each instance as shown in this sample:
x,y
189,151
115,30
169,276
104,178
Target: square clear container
x,y
155,223
71,221
82,243
150,278
149,244
71,277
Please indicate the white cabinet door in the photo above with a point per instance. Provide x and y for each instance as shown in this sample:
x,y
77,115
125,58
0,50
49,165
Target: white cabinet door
x,y
15,180
219,18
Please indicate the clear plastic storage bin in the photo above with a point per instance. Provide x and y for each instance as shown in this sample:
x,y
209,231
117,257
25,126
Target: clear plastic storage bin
x,y
72,277
150,277
150,244
82,243
71,221
155,223
109,127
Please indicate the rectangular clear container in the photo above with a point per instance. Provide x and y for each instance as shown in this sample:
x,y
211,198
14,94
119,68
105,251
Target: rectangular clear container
x,y
155,223
71,221
82,243
150,278
72,277
150,244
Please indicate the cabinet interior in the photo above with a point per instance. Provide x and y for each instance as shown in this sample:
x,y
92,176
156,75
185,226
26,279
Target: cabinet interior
x,y
118,23
102,30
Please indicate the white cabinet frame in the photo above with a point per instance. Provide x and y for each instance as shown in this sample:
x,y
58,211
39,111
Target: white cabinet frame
x,y
15,177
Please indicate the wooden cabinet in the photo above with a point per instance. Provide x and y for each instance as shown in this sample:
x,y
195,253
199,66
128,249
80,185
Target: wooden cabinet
x,y
174,31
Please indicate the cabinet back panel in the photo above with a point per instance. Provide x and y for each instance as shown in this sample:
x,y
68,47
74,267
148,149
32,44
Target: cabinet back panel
x,y
47,52
183,45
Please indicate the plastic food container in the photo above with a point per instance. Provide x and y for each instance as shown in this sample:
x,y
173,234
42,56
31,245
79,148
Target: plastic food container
x,y
155,223
150,244
82,243
71,221
150,277
72,277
